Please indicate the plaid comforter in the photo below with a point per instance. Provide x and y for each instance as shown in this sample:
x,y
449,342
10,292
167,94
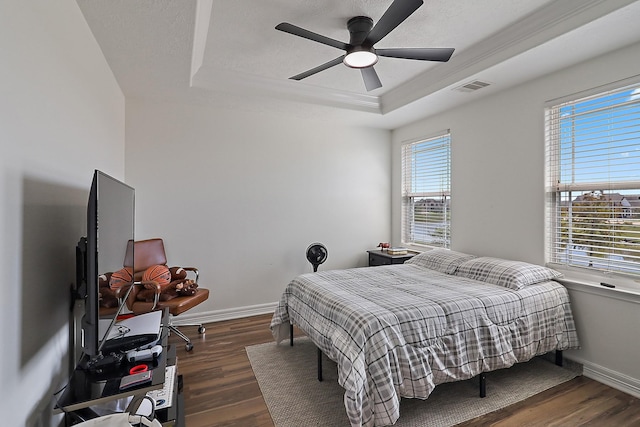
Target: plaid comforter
x,y
398,331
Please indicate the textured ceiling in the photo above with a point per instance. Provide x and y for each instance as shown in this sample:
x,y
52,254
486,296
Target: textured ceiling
x,y
242,38
228,53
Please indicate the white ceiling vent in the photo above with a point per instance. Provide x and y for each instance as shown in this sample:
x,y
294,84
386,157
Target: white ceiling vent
x,y
472,86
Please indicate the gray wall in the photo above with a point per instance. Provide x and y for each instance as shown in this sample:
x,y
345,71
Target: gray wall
x,y
242,195
61,115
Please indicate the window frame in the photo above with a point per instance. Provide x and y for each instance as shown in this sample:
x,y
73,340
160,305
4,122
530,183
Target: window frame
x,y
414,188
597,195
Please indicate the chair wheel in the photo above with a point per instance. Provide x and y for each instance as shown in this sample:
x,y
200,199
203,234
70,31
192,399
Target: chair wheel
x,y
201,329
188,346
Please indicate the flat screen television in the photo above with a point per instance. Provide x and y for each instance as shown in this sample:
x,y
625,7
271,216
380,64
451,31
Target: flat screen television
x,y
110,231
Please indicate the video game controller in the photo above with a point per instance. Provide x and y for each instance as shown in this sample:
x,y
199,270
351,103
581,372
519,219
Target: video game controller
x,y
101,362
142,355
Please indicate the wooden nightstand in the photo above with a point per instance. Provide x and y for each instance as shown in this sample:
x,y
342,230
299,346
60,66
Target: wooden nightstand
x,y
377,257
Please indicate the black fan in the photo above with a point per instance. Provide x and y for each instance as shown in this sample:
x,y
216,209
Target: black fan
x,y
360,52
317,254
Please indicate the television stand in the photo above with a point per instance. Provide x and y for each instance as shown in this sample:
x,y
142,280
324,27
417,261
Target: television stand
x,y
89,390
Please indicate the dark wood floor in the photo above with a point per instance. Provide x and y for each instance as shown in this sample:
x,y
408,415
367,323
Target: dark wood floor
x,y
221,390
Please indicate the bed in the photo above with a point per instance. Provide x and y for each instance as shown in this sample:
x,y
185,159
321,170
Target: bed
x,y
397,331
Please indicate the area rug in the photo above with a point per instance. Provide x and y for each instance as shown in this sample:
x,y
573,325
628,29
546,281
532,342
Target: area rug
x,y
288,380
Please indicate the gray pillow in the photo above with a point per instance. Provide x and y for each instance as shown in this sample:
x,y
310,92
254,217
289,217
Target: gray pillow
x,y
442,260
509,274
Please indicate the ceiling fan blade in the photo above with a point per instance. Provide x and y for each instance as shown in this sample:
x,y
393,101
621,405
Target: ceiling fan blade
x,y
301,32
423,54
319,68
395,14
370,77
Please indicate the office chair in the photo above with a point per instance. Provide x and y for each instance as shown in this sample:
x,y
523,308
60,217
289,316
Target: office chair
x,y
147,253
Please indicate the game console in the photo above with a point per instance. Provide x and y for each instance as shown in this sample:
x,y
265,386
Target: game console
x,y
144,355
137,332
135,379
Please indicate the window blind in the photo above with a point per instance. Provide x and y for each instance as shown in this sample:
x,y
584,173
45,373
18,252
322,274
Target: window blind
x,y
593,181
426,192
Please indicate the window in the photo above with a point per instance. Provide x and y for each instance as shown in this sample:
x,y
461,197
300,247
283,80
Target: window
x,y
426,192
593,181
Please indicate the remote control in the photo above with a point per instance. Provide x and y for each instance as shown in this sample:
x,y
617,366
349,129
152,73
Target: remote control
x,y
142,355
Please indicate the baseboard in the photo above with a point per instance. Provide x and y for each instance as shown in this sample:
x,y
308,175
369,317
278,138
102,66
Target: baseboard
x,y
610,377
226,314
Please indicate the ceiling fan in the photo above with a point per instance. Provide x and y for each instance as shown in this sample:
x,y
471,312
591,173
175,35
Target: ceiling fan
x,y
360,53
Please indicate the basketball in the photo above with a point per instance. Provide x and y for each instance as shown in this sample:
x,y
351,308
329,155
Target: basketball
x,y
158,273
120,278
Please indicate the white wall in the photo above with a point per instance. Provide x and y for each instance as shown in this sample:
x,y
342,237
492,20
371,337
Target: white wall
x,y
242,195
61,116
498,196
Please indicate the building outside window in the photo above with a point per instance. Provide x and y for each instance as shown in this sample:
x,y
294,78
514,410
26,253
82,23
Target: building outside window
x,y
426,192
593,181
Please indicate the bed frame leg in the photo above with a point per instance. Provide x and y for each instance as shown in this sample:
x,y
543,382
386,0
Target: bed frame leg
x,y
319,365
291,334
483,384
559,357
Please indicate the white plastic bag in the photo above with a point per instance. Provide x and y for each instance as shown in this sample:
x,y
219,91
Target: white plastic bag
x,y
120,420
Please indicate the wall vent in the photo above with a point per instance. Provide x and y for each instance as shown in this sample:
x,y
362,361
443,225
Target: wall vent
x,y
472,86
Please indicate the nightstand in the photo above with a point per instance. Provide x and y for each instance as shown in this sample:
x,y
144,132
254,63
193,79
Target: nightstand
x,y
377,257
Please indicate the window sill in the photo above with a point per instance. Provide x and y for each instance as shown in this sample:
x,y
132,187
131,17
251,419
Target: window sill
x,y
626,289
417,249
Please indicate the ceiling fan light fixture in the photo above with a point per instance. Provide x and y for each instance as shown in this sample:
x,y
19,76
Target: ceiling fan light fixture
x,y
360,52
360,59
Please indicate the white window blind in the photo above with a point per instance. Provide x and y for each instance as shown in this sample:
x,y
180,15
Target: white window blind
x,y
426,192
593,181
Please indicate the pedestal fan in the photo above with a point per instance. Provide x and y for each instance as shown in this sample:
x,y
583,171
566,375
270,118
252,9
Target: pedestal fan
x,y
317,254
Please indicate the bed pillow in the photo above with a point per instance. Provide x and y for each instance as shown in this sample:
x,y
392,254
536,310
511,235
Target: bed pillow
x,y
441,260
509,274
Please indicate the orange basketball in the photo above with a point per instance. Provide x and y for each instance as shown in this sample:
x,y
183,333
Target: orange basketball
x,y
157,273
120,278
